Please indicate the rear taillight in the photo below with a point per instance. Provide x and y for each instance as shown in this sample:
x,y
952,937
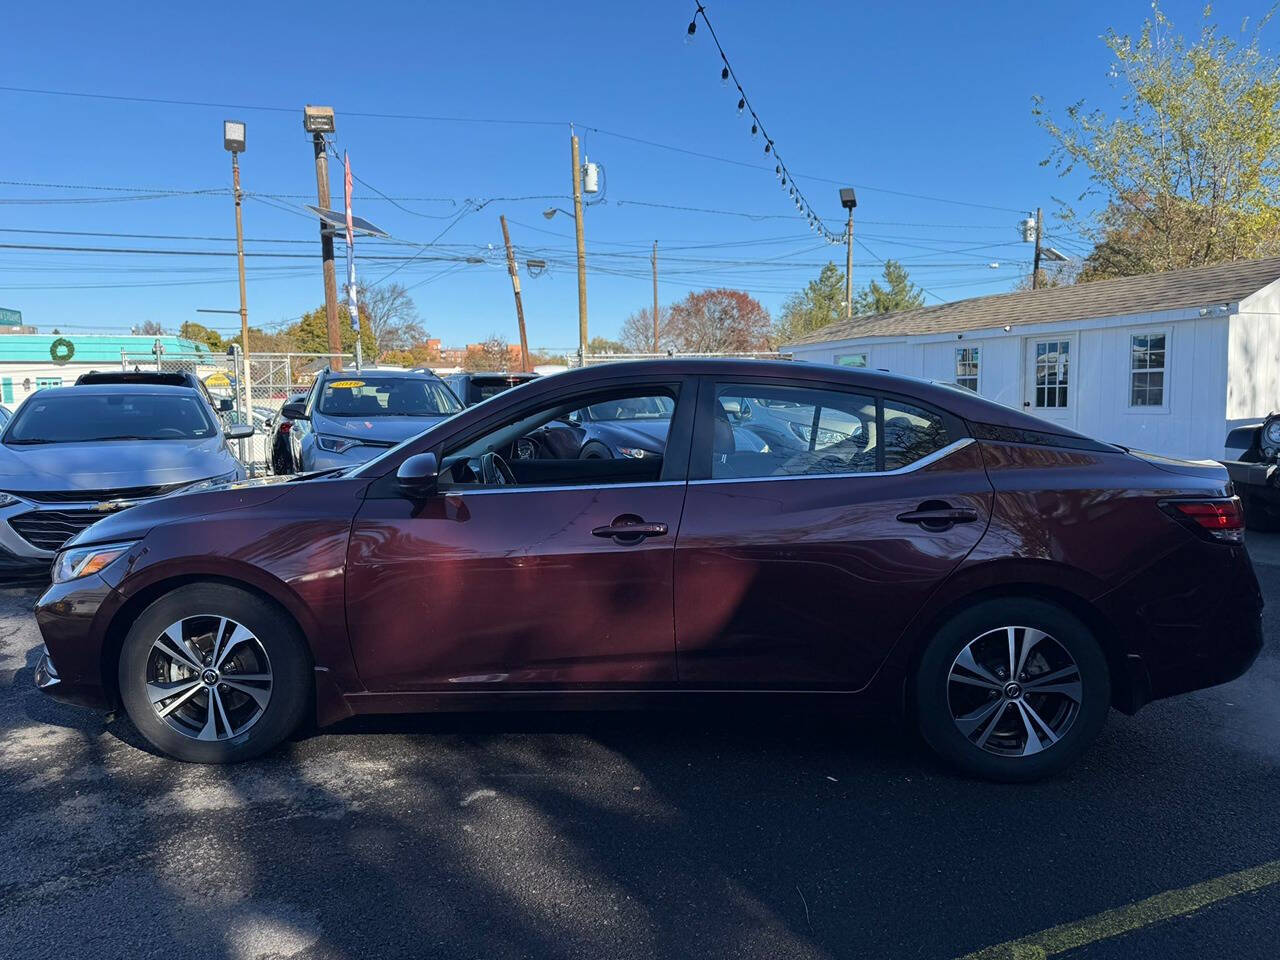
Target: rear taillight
x,y
1221,520
286,426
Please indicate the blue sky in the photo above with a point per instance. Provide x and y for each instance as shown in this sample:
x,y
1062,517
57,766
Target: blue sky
x,y
931,100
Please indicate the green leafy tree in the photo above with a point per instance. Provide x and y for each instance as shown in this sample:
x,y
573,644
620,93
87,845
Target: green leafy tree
x,y
818,304
1186,171
897,292
198,332
311,333
605,345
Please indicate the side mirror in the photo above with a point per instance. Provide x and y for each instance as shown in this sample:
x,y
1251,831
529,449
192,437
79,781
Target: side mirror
x,y
225,405
239,431
418,474
294,411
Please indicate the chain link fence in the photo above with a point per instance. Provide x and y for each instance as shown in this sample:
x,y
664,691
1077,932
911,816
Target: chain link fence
x,y
274,379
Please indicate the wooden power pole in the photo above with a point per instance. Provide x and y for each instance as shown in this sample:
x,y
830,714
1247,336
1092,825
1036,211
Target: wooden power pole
x,y
1035,264
582,250
654,260
326,250
515,288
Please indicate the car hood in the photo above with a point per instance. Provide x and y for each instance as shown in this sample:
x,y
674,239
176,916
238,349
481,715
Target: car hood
x,y
386,429
105,465
649,434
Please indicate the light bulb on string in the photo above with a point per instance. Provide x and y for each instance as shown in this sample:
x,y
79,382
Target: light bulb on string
x,y
755,127
767,146
742,105
693,28
724,76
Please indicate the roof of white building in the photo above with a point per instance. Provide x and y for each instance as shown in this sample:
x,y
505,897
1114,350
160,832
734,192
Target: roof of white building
x,y
1195,287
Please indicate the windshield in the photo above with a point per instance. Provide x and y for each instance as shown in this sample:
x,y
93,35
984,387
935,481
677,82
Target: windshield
x,y
83,418
633,408
487,387
387,397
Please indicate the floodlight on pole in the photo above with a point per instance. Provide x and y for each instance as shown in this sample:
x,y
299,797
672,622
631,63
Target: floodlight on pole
x,y
318,119
848,200
233,139
233,135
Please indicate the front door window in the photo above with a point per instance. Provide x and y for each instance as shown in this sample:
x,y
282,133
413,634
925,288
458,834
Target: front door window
x,y
1052,372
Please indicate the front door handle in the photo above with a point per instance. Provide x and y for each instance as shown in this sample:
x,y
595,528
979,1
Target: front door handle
x,y
629,529
939,516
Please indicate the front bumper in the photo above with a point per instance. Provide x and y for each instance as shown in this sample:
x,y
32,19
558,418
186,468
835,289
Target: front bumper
x,y
73,618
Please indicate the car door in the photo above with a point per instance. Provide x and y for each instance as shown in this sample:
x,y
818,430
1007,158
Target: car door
x,y
563,579
802,559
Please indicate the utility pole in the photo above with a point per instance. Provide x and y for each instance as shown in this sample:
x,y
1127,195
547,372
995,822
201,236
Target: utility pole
x,y
233,138
848,200
318,121
582,250
654,260
1035,264
515,288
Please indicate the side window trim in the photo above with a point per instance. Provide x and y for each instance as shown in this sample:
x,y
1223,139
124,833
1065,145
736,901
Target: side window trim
x,y
958,444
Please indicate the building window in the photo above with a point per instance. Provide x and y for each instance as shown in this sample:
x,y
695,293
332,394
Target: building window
x,y
967,368
1052,373
45,383
851,360
1146,369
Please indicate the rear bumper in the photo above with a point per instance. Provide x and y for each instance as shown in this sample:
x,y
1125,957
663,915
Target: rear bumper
x,y
1190,621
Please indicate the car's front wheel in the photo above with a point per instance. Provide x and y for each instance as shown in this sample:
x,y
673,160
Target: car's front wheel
x,y
213,674
1012,689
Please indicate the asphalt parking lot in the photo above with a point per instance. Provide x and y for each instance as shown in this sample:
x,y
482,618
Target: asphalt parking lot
x,y
639,836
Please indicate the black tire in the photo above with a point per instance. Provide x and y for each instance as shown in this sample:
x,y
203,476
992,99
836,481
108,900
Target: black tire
x,y
934,688
289,665
595,451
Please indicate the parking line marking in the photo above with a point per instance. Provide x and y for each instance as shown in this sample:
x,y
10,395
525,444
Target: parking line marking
x,y
1133,916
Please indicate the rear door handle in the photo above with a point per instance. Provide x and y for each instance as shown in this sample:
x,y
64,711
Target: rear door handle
x,y
940,517
629,529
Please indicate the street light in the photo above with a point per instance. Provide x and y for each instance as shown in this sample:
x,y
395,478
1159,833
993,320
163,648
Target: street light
x,y
233,140
549,214
848,200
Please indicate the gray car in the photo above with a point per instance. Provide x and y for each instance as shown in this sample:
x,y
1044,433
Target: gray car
x,y
350,417
72,455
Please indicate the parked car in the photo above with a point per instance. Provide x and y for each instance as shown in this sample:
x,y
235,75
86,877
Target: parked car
x,y
175,378
472,388
349,417
1002,580
279,428
1253,462
5,415
72,455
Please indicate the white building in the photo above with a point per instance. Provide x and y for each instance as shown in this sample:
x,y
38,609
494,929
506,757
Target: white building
x,y
1165,362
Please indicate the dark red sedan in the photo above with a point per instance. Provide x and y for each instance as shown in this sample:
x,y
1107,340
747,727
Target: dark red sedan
x,y
807,534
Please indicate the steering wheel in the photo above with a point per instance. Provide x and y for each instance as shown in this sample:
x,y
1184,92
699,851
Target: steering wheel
x,y
494,470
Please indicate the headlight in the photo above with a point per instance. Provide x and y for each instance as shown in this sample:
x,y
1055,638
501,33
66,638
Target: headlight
x,y
1271,431
8,500
335,444
825,437
227,477
636,453
82,561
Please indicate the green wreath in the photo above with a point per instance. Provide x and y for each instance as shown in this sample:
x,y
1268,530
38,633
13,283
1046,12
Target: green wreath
x,y
62,350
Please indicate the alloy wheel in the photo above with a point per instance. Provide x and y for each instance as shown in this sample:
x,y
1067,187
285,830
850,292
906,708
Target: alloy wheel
x,y
1014,691
208,677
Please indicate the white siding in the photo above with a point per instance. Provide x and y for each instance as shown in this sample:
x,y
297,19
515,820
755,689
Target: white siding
x,y
1253,358
1192,423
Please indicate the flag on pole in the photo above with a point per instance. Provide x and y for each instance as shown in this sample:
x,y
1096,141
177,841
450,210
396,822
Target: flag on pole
x,y
352,306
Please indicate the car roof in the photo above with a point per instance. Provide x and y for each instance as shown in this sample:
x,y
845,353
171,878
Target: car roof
x,y
497,374
377,375
117,389
960,402
178,378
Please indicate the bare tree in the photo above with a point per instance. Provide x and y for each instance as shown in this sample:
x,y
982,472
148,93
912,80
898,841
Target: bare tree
x,y
492,353
392,316
637,330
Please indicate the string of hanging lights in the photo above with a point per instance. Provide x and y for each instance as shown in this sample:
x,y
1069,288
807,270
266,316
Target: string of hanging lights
x,y
780,170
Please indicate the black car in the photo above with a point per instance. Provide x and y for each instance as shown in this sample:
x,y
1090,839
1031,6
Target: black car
x,y
176,378
472,388
1253,461
282,461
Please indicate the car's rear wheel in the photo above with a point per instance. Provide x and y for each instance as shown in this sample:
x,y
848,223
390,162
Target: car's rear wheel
x,y
1012,689
213,674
